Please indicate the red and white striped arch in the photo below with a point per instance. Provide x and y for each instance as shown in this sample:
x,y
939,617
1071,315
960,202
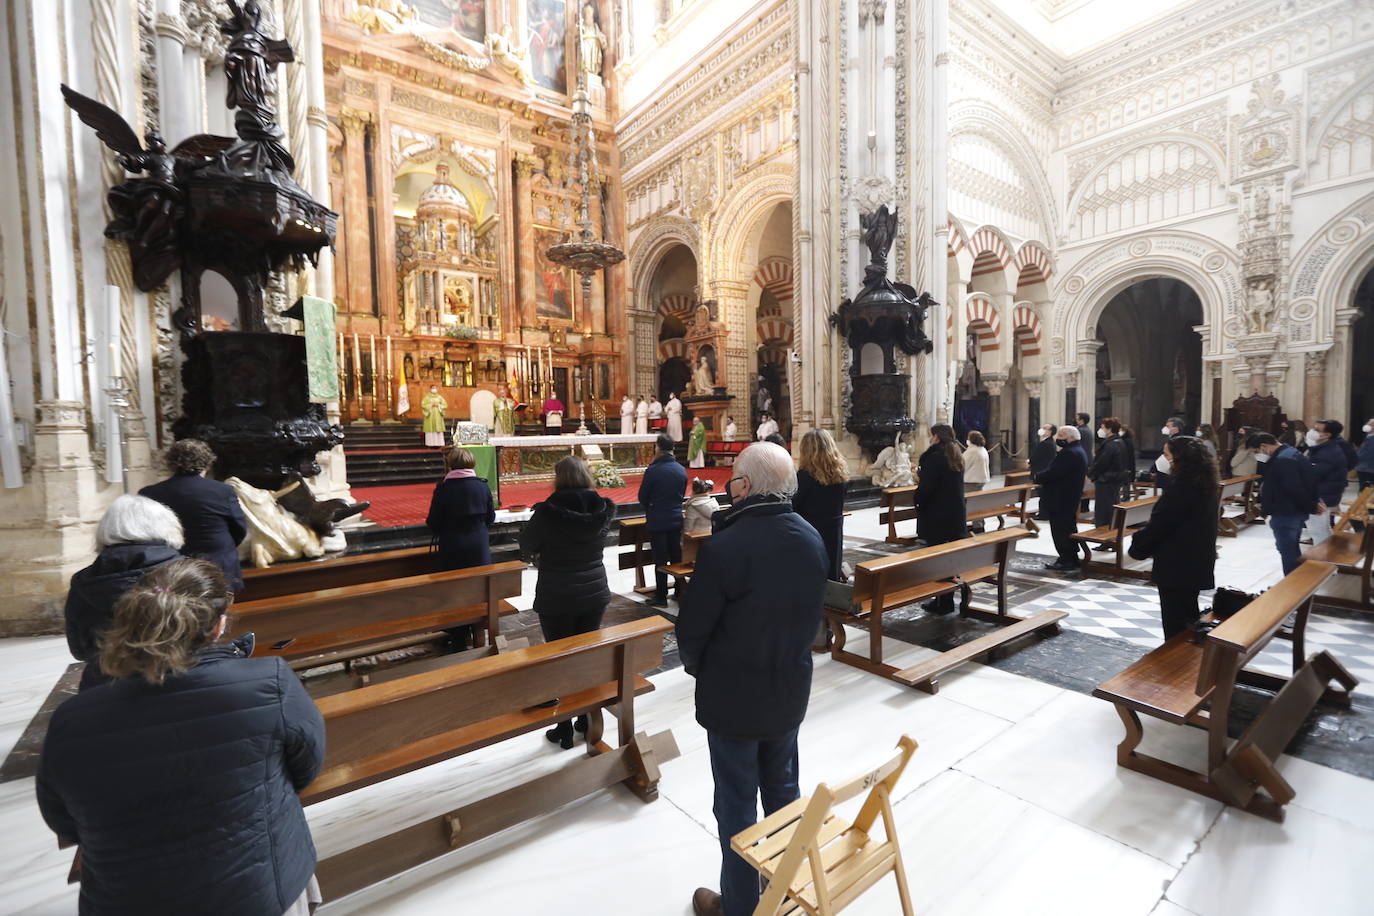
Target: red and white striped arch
x,y
991,241
1033,263
667,349
679,305
984,321
773,355
775,275
1025,326
775,329
958,240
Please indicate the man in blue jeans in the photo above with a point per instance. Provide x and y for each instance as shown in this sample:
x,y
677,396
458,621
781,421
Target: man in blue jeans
x,y
745,634
1289,494
661,493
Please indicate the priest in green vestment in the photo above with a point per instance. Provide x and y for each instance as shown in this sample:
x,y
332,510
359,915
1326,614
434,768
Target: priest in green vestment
x,y
696,446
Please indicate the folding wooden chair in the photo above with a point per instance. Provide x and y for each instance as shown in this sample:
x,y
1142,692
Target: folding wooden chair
x,y
844,861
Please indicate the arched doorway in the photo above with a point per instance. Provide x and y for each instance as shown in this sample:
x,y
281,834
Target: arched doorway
x,y
770,302
1362,360
673,290
1149,364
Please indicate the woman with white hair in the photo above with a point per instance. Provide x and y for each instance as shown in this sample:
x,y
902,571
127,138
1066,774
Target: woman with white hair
x,y
135,535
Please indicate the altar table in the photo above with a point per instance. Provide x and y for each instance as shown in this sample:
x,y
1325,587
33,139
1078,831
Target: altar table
x,y
529,458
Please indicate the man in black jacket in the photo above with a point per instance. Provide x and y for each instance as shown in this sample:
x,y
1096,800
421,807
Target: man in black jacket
x,y
745,634
1082,423
661,493
1061,488
1289,494
209,511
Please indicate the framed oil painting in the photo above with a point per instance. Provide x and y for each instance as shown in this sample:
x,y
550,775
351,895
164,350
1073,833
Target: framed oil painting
x,y
466,17
547,42
553,284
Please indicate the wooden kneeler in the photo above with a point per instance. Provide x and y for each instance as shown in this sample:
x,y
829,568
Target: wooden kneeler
x,y
841,859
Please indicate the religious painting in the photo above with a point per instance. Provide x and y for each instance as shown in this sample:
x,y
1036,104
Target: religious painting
x,y
466,17
547,43
553,285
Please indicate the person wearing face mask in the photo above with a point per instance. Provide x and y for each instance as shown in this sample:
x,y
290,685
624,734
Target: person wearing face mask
x,y
1043,452
1181,535
1061,487
1243,462
1110,471
1208,436
1289,494
1171,428
940,513
1083,423
1364,458
1328,457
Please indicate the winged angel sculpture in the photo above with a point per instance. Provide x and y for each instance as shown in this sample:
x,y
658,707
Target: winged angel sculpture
x,y
147,212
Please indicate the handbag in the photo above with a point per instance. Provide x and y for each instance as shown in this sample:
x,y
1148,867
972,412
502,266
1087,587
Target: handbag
x,y
1227,602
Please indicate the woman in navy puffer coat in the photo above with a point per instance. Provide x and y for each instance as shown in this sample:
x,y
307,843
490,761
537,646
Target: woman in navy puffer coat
x,y
179,779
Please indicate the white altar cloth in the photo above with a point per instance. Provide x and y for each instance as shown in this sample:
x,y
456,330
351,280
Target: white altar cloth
x,y
570,440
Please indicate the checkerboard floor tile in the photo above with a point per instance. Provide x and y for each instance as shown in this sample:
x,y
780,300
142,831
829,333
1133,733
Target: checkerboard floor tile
x,y
1130,611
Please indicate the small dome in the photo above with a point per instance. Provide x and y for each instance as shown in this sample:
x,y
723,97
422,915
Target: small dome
x,y
442,198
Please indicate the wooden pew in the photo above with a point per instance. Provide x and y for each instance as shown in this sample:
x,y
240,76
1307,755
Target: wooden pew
x,y
634,534
1236,504
333,624
1187,683
919,575
898,505
1351,552
691,544
1126,516
379,732
998,503
313,575
1017,479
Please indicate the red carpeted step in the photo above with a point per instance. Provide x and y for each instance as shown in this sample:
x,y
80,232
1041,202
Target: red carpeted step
x,y
408,504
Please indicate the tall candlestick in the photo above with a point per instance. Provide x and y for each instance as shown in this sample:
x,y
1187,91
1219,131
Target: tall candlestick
x,y
357,373
112,309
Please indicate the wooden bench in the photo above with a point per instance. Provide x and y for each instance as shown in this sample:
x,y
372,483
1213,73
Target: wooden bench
x,y
1187,683
885,585
333,624
721,450
313,575
634,534
1125,516
691,544
898,505
1236,504
1351,552
1018,479
999,503
382,731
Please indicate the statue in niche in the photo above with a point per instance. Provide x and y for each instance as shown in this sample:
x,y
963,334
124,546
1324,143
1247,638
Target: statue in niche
x,y
591,43
1258,311
703,379
387,16
514,60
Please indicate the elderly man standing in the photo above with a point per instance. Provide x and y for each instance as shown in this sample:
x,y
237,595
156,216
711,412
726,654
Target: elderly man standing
x,y
1061,488
745,634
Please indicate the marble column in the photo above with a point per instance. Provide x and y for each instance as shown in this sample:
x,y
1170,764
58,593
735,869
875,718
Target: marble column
x,y
356,295
1087,377
995,382
735,370
1314,393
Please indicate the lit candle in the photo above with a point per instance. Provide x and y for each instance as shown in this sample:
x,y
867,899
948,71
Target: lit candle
x,y
112,309
388,356
357,359
372,360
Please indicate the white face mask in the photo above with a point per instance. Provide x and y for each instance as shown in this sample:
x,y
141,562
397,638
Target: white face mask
x,y
1261,457
1198,433
1367,428
1101,434
1046,433
1164,431
1162,464
1313,437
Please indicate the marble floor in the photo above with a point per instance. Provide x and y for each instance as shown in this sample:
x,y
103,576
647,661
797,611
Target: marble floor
x,y
1012,805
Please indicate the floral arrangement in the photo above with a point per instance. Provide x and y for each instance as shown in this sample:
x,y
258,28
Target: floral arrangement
x,y
460,332
606,477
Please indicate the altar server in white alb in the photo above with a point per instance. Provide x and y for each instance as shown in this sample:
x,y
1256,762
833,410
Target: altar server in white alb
x,y
767,427
673,410
655,409
642,417
627,416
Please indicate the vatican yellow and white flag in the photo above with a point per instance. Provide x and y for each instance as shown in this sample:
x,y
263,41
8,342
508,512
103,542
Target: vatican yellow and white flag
x,y
403,394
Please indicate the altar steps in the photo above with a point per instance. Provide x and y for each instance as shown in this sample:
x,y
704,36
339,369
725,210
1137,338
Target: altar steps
x,y
390,455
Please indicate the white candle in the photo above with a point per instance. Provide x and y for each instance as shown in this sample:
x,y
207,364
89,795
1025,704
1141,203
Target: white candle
x,y
112,331
357,363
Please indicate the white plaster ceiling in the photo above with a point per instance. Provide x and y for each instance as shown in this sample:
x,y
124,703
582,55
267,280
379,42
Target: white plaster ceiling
x,y
1070,27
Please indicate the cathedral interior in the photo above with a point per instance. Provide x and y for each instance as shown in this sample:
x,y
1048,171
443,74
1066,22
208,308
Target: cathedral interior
x,y
539,216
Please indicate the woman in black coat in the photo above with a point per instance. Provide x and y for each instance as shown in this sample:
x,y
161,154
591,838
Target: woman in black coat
x,y
940,513
180,778
135,535
459,513
209,510
1110,471
1181,535
566,538
822,476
